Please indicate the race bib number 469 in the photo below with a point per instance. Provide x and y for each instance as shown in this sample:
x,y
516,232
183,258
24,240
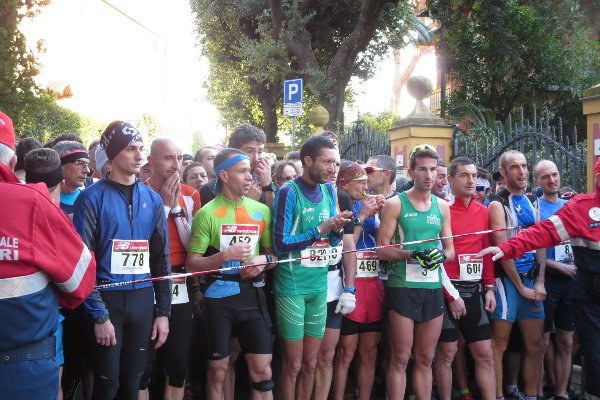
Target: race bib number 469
x,y
367,264
130,257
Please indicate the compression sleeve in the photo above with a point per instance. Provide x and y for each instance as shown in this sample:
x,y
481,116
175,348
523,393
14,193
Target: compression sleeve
x,y
284,240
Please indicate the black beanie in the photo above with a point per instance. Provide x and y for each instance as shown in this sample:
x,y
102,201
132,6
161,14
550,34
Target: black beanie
x,y
117,136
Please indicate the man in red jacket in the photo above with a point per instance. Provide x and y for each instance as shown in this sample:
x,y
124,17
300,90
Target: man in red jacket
x,y
468,273
578,221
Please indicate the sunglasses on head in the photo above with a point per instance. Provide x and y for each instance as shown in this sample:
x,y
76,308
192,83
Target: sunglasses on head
x,y
480,188
421,147
370,170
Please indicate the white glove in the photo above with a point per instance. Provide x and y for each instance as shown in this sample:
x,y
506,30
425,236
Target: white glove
x,y
346,303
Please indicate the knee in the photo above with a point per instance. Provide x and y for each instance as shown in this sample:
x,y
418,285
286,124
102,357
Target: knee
x,y
565,343
345,354
292,367
368,354
326,356
218,372
261,372
399,360
499,345
309,366
484,357
446,354
534,346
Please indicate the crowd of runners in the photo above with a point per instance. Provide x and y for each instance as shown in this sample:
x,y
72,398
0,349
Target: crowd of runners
x,y
238,276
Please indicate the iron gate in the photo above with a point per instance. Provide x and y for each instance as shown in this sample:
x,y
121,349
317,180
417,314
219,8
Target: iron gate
x,y
535,138
361,142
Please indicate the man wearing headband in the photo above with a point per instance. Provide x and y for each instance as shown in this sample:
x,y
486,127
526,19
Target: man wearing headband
x,y
361,329
43,264
76,166
414,288
306,225
123,222
520,284
579,222
228,232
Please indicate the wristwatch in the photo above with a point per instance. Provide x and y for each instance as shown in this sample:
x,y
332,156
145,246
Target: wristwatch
x,y
350,290
102,319
178,214
357,221
491,288
271,187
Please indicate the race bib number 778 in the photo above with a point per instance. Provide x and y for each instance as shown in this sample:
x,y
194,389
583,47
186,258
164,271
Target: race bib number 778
x,y
130,257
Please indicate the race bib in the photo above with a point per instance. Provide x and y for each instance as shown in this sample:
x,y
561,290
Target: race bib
x,y
336,254
384,270
416,273
564,253
179,291
317,255
367,264
470,267
239,233
130,257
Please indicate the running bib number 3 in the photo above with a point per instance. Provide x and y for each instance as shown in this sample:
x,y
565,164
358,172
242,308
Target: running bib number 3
x,y
130,257
317,255
367,264
416,273
180,292
239,233
470,267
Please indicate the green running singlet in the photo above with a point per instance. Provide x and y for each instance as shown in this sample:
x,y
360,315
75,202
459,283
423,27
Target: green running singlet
x,y
416,225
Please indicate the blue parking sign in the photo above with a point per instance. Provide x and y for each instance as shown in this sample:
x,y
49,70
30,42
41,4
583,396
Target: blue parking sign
x,y
292,91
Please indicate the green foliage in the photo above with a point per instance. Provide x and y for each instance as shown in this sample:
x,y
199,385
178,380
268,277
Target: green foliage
x,y
34,112
506,53
381,122
251,52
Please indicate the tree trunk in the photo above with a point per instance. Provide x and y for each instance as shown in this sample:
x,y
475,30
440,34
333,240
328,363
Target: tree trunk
x,y
267,96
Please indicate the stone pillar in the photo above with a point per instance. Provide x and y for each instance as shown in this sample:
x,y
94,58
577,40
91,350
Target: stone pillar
x,y
318,117
591,109
420,126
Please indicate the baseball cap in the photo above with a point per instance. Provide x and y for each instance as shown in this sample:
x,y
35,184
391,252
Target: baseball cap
x,y
7,132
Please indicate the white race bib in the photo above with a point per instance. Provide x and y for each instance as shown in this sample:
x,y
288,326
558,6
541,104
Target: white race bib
x,y
179,292
367,264
130,257
564,253
239,233
416,273
384,270
470,267
317,255
336,254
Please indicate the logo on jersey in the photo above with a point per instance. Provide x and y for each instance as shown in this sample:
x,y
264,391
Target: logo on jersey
x,y
239,229
409,215
433,219
305,210
594,213
9,248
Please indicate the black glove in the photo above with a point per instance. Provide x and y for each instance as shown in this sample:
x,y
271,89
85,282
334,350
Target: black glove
x,y
429,259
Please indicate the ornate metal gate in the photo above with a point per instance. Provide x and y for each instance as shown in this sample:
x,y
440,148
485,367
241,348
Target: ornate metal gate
x,y
361,142
535,138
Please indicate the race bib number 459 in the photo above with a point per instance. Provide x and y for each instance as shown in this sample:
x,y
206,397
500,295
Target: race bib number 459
x,y
130,257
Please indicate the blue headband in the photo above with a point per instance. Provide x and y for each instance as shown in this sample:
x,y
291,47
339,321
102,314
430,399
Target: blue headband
x,y
230,162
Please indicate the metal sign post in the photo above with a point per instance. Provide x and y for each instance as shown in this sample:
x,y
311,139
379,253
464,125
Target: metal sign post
x,y
292,103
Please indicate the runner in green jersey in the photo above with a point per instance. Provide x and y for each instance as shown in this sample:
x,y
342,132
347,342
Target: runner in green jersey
x,y
229,231
414,291
306,225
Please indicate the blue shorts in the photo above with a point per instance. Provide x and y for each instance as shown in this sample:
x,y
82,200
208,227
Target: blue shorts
x,y
511,306
60,355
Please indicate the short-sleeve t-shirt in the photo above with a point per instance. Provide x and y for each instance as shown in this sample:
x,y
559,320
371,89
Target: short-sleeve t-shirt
x,y
547,209
222,223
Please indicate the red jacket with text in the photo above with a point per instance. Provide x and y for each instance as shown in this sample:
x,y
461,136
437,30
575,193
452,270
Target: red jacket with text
x,y
43,263
578,221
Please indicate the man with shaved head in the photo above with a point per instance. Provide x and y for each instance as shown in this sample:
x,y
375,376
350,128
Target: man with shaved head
x,y
180,202
559,316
